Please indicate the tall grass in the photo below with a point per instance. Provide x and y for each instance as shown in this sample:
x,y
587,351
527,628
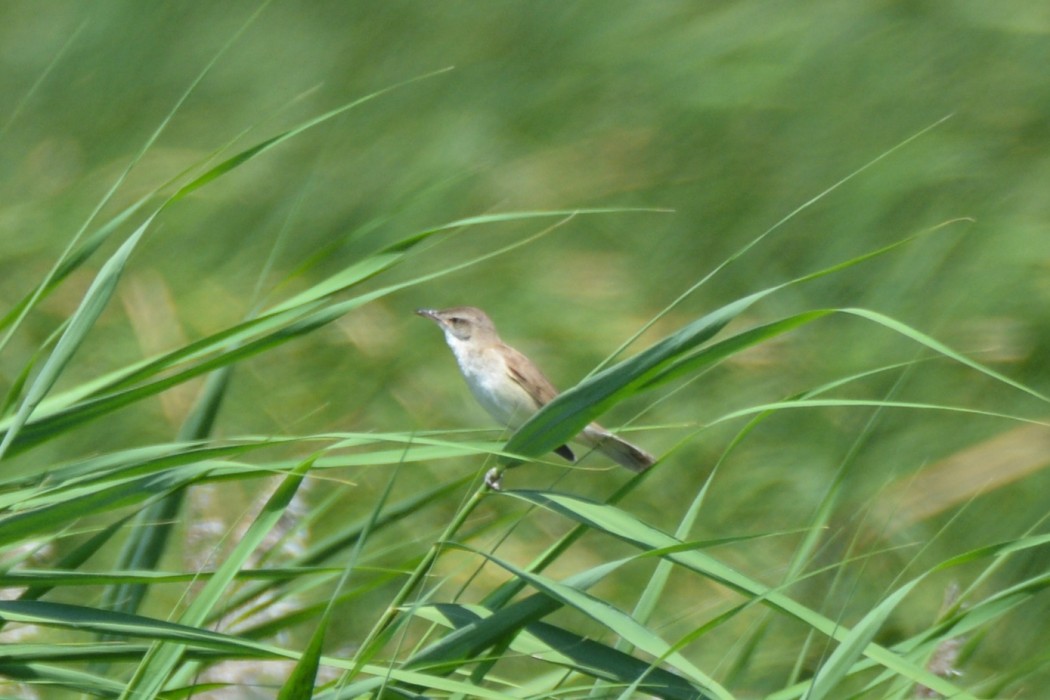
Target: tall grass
x,y
243,565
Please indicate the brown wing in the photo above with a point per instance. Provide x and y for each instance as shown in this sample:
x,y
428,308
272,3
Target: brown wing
x,y
538,387
529,377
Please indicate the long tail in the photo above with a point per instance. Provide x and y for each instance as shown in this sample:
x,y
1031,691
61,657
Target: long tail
x,y
617,449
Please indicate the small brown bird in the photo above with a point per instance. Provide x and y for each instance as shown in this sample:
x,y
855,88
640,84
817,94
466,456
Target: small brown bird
x,y
511,388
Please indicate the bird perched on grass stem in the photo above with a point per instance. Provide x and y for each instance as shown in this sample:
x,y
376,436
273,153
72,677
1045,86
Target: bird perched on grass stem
x,y
511,388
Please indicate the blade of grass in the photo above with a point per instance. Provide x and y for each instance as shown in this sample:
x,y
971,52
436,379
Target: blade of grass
x,y
569,412
626,527
852,646
761,237
57,267
92,619
369,526
101,290
616,621
552,643
152,528
163,658
236,343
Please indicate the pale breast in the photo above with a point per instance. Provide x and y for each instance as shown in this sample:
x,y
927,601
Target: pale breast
x,y
488,379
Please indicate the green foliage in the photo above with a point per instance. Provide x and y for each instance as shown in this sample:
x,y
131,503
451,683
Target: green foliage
x,y
232,464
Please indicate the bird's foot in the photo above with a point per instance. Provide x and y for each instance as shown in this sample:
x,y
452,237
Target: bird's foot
x,y
494,479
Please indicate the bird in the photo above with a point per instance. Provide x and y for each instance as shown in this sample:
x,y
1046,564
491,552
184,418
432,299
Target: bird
x,y
511,387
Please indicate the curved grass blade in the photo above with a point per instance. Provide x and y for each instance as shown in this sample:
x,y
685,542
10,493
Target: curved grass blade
x,y
92,619
44,520
754,242
568,413
74,407
626,527
101,290
487,628
851,649
152,528
730,346
301,681
95,300
549,642
565,416
163,658
46,284
617,622
941,349
39,675
70,262
967,621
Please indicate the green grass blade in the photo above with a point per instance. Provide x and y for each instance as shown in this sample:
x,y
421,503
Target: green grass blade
x,y
554,644
39,676
158,665
730,346
44,520
248,154
73,408
566,415
625,526
153,526
95,300
71,262
942,349
300,683
852,647
395,252
617,622
91,619
483,631
569,412
101,290
75,558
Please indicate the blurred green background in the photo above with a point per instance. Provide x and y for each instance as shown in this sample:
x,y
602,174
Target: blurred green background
x,y
733,115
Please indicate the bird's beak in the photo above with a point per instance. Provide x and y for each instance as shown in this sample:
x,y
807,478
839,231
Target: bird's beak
x,y
428,313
